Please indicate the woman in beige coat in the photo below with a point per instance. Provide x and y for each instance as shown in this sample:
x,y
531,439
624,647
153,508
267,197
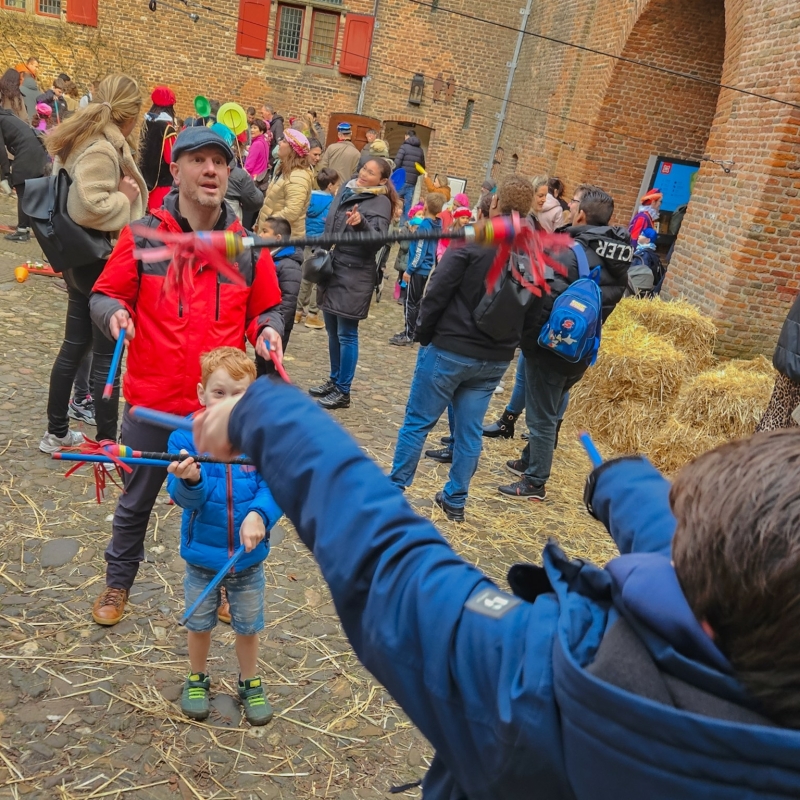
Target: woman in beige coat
x,y
289,192
107,193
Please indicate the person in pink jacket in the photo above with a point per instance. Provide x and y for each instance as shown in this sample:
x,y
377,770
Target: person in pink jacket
x,y
546,209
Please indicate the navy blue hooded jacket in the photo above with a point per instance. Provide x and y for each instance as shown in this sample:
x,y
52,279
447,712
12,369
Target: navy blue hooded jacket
x,y
502,688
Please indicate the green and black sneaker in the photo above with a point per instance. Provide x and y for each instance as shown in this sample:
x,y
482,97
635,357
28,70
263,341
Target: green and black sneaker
x,y
194,698
256,706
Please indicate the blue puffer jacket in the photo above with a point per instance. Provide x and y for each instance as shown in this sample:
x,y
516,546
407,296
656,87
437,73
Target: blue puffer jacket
x,y
502,688
214,509
317,212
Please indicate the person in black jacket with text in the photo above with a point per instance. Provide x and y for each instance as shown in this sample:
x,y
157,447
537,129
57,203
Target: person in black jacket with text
x,y
457,363
548,377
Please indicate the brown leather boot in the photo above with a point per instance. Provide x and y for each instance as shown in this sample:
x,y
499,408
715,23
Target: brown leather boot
x,y
224,608
110,606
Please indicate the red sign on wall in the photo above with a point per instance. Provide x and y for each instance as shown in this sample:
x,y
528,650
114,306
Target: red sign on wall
x,y
666,168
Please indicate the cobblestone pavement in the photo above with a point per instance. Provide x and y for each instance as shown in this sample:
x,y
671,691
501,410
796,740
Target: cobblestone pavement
x,y
87,711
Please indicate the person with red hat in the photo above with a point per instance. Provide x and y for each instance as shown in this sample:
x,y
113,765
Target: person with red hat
x,y
647,215
159,130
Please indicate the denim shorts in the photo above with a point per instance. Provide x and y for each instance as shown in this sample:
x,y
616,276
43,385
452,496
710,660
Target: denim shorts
x,y
245,594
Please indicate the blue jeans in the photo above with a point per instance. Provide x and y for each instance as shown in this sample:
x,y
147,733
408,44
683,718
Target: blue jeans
x,y
546,396
516,404
442,377
245,594
342,349
407,196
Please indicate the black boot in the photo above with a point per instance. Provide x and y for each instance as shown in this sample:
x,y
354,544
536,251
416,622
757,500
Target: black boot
x,y
504,427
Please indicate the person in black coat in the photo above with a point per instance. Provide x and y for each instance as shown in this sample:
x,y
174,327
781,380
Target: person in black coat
x,y
365,204
30,160
786,360
548,377
289,269
459,363
408,156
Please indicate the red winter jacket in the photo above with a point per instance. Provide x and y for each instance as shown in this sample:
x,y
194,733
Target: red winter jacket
x,y
163,367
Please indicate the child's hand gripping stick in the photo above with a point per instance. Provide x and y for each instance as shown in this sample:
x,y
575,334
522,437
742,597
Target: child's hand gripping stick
x,y
116,358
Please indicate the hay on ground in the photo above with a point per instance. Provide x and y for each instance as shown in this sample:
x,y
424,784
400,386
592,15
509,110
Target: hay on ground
x,y
678,321
620,427
726,402
676,444
634,364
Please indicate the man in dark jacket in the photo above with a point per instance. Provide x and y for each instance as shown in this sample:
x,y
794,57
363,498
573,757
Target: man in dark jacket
x,y
671,673
458,363
408,156
169,328
548,377
29,88
275,123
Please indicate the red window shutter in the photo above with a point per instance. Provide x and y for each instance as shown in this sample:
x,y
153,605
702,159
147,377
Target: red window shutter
x,y
82,12
251,32
357,41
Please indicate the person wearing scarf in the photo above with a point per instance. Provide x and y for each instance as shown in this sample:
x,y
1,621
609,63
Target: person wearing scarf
x,y
647,215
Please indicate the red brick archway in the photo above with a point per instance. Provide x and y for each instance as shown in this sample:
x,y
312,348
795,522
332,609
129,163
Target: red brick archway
x,y
650,113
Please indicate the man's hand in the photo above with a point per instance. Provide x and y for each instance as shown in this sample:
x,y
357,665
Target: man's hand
x,y
275,344
252,531
210,429
187,470
406,277
119,320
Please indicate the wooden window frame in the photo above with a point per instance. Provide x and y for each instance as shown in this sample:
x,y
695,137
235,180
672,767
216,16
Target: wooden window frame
x,y
277,34
23,10
39,13
314,12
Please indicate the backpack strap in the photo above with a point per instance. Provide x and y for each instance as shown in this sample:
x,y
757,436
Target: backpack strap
x,y
583,262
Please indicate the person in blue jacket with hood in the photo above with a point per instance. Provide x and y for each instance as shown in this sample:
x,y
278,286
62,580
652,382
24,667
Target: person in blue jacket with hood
x,y
224,505
673,672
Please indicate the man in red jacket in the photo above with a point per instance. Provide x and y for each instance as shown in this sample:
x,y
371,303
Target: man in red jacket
x,y
168,333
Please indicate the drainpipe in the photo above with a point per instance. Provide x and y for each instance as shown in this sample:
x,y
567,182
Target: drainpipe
x,y
501,118
362,93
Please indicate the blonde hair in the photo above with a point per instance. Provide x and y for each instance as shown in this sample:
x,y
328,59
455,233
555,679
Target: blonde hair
x,y
116,100
293,162
234,361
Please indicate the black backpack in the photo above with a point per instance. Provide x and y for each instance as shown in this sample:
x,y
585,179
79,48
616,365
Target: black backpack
x,y
499,315
65,244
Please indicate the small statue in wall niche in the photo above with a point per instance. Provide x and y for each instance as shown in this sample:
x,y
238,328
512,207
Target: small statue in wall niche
x,y
450,90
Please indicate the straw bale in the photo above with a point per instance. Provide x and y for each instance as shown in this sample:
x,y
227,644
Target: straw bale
x,y
759,364
677,321
634,364
623,426
726,402
676,444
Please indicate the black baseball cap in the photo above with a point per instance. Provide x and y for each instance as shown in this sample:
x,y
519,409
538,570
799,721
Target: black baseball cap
x,y
196,138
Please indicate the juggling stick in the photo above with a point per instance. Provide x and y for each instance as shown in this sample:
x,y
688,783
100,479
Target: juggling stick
x,y
161,419
591,450
276,361
122,451
108,389
98,459
218,578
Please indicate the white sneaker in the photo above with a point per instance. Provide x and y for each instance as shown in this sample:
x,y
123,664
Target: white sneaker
x,y
51,443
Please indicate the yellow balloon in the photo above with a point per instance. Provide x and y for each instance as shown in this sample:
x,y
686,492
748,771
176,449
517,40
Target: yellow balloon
x,y
232,116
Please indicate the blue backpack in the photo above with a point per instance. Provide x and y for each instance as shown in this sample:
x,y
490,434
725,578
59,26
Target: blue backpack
x,y
573,329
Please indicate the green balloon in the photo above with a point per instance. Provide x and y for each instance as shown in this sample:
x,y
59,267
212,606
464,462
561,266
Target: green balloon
x,y
202,106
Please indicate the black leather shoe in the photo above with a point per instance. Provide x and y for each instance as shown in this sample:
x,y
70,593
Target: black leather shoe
x,y
336,399
443,456
451,512
322,389
504,427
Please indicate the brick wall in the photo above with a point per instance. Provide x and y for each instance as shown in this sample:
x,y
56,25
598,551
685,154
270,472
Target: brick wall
x,y
737,255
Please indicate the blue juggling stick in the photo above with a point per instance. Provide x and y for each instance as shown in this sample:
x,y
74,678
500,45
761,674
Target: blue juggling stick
x,y
161,419
116,358
218,578
100,459
591,450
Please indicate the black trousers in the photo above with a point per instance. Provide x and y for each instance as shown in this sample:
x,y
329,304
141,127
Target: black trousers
x,y
23,220
126,549
414,292
80,336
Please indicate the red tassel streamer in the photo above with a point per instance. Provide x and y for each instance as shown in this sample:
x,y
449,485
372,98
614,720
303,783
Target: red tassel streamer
x,y
102,474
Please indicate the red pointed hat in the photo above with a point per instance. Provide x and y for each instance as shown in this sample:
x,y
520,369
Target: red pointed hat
x,y
650,197
163,96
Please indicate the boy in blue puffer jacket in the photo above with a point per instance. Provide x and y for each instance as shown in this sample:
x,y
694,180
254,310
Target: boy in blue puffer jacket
x,y
224,505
